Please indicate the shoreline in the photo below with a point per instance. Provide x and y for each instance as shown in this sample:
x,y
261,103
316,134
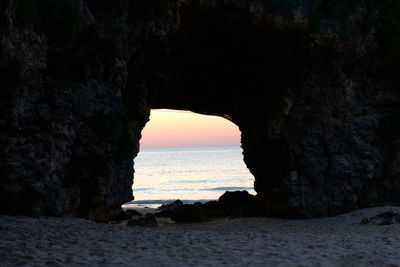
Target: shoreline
x,y
154,204
333,241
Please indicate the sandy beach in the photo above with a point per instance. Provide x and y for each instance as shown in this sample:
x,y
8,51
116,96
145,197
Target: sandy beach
x,y
335,241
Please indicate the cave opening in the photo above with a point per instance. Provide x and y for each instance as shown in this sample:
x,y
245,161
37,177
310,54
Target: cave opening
x,y
190,157
241,67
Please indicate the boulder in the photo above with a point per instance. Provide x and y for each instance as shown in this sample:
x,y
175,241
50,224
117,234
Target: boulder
x,y
385,218
133,212
121,216
147,221
169,209
213,209
188,214
238,203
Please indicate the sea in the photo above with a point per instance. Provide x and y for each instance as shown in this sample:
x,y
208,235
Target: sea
x,y
190,174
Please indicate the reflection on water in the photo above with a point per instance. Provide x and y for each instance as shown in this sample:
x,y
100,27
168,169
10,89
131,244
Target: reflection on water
x,y
195,173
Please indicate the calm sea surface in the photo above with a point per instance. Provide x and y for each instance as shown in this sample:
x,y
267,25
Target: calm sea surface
x,y
190,174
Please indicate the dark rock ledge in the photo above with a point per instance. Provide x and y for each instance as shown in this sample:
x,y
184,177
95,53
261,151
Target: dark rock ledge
x,y
230,204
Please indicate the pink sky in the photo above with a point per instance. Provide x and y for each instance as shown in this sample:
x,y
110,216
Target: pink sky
x,y
171,128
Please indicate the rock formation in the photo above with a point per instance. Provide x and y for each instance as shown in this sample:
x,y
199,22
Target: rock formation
x,y
313,86
67,139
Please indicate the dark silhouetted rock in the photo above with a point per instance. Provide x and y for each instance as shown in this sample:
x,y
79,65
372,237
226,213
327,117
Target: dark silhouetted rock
x,y
133,212
316,100
213,209
188,214
238,203
198,204
212,205
147,221
385,218
121,216
172,206
169,209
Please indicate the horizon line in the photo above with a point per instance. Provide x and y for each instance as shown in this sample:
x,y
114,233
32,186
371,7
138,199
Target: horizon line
x,y
193,146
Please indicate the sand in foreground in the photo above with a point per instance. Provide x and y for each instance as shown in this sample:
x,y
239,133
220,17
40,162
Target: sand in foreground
x,y
336,241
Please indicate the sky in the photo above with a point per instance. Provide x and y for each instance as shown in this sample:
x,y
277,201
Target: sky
x,y
173,128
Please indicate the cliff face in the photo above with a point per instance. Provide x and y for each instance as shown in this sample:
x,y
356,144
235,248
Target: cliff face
x,y
67,140
312,86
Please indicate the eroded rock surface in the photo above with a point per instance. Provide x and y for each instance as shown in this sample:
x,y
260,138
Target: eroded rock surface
x,y
384,218
317,108
67,139
312,85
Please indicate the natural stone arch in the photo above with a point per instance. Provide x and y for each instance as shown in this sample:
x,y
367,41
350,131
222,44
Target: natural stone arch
x,y
233,64
290,91
318,111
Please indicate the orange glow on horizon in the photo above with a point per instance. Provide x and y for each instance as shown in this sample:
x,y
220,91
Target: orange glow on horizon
x,y
172,128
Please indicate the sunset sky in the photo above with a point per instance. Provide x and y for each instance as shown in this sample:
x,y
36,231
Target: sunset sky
x,y
172,128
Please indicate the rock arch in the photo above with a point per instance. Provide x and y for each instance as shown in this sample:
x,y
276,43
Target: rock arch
x,y
313,90
291,94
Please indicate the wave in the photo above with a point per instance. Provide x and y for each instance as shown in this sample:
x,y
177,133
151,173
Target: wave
x,y
166,201
227,188
194,189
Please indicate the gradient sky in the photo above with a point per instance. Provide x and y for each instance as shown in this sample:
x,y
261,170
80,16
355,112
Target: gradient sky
x,y
172,128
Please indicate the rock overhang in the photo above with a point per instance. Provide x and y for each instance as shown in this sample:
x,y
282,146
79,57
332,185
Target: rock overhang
x,y
309,84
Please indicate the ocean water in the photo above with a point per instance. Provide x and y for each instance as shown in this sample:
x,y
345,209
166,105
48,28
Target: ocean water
x,y
188,173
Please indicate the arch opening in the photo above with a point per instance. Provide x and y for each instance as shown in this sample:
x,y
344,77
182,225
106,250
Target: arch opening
x,y
282,84
236,66
190,157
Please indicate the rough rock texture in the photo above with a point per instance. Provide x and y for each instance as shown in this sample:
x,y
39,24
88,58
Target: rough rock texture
x,y
312,85
384,218
316,107
67,140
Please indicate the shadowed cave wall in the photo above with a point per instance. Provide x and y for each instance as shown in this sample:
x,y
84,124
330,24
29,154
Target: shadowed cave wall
x,y
309,105
314,94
